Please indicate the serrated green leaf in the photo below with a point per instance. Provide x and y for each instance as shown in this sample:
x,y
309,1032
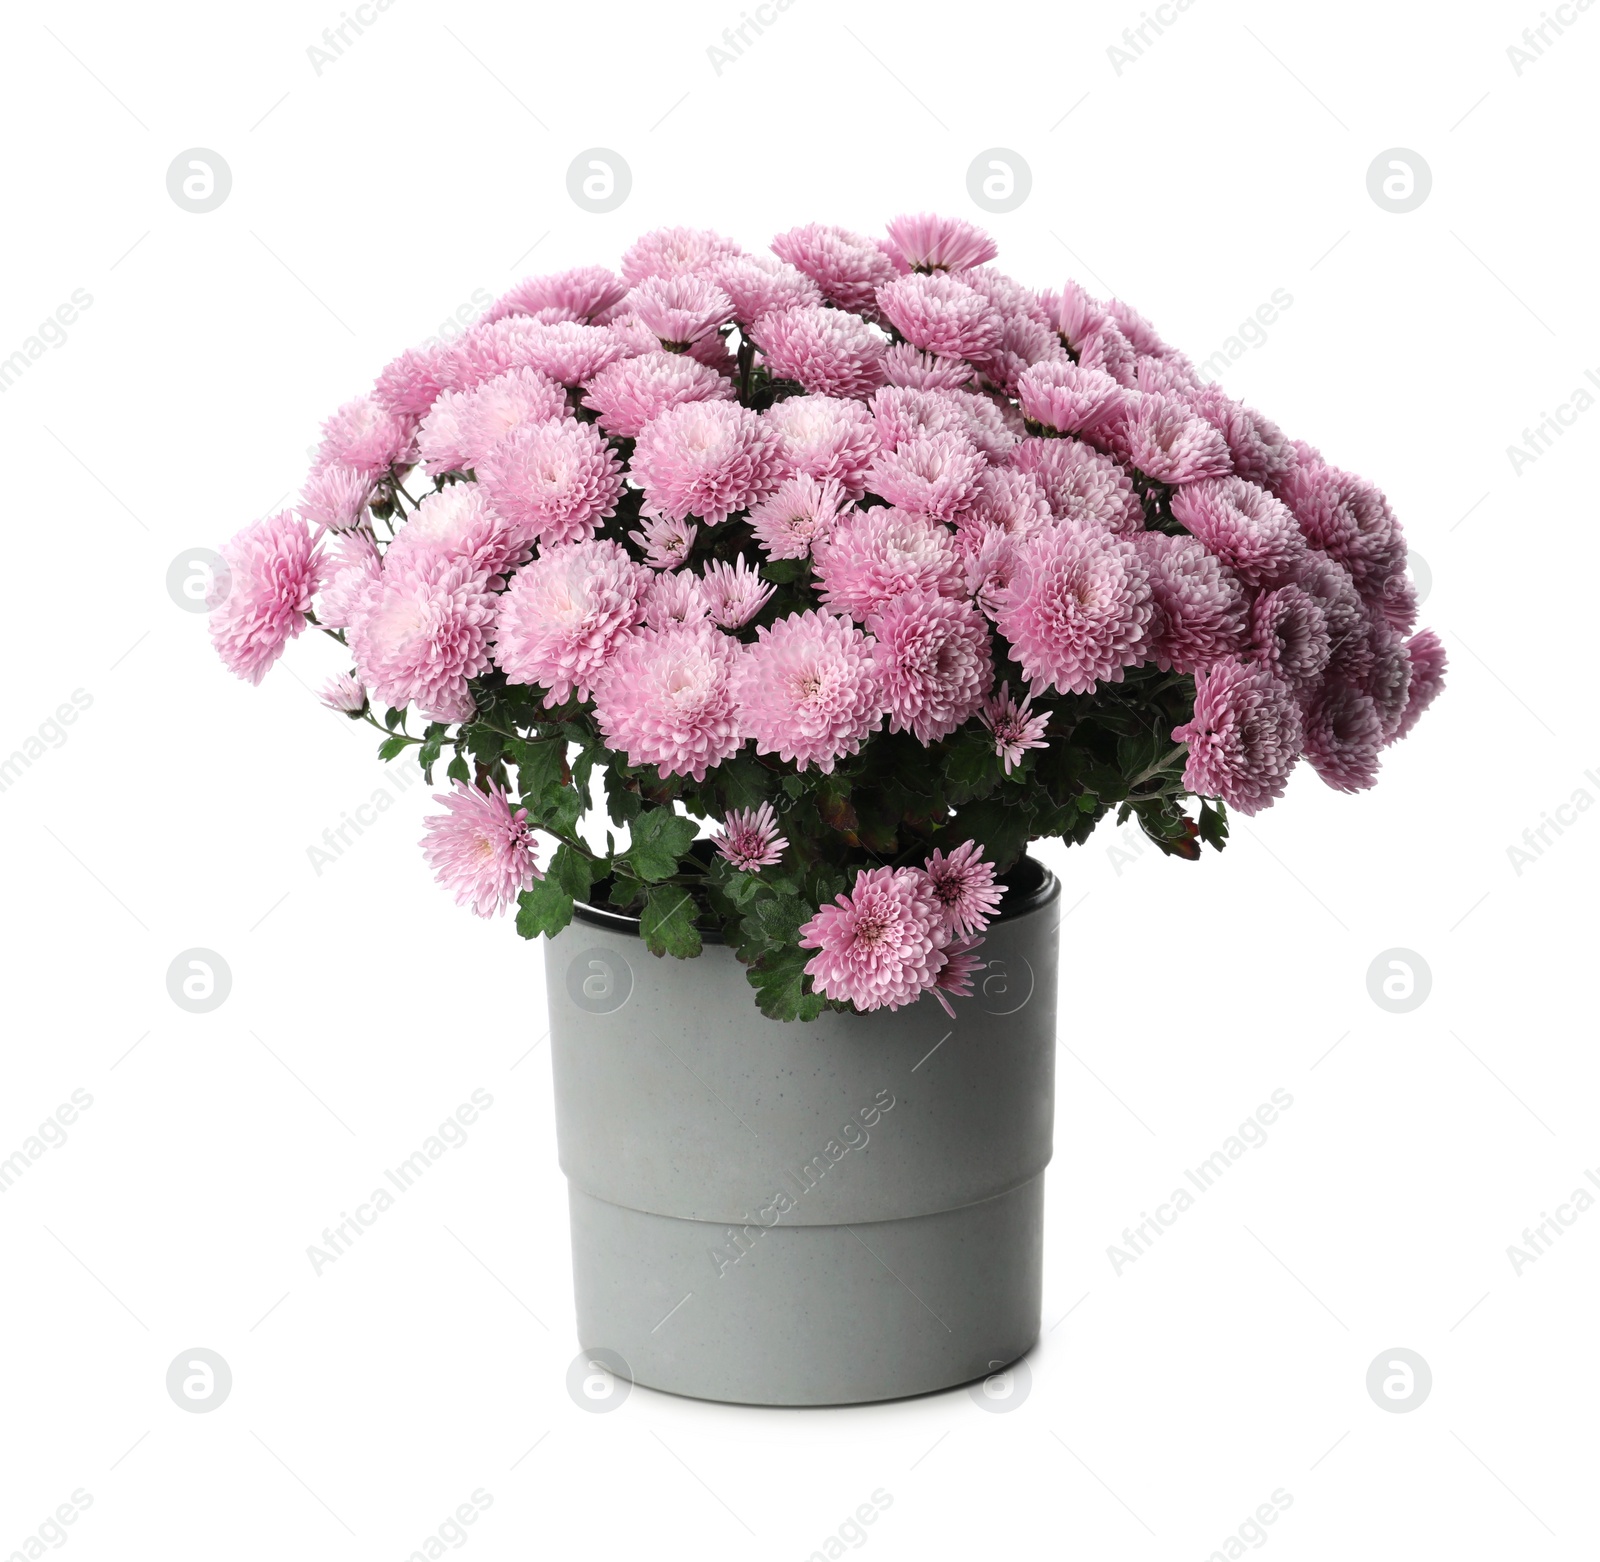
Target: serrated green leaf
x,y
778,978
394,716
539,767
546,908
660,838
667,922
572,871
457,769
393,746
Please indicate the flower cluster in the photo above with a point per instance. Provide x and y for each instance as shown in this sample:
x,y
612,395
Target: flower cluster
x,y
876,558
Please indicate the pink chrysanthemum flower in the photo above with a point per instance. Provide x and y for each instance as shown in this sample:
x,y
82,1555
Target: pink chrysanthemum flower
x,y
991,558
564,614
441,438
941,314
1072,400
1078,316
1016,729
964,885
490,348
956,975
1244,738
627,395
928,243
665,698
674,597
734,593
409,385
422,632
1107,349
848,268
1010,297
877,554
1348,518
366,437
353,570
1163,439
481,848
750,839
829,352
569,353
882,945
1079,610
1025,343
1396,601
680,310
1289,632
344,694
555,481
935,475
993,425
1425,652
490,411
906,366
1349,626
932,656
901,413
583,293
759,284
1388,678
1260,451
335,498
666,543
1201,611
1343,734
706,458
1011,500
274,568
808,691
672,252
796,515
457,523
1137,329
1173,376
1244,526
828,437
1081,483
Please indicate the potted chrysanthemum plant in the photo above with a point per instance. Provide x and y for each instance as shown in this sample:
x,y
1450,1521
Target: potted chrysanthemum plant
x,y
762,608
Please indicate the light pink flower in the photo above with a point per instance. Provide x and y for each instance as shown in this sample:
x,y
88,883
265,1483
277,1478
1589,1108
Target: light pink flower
x,y
422,632
366,437
991,558
274,568
964,885
481,848
563,615
1350,646
1107,349
808,691
707,459
490,348
1061,395
671,252
1244,526
750,839
1136,328
1201,611
796,515
1388,678
932,656
490,411
1010,297
881,946
941,314
347,577
1173,376
1163,439
1081,483
848,268
569,353
1016,729
901,413
457,523
1009,499
956,974
829,352
665,699
1343,734
1396,601
1348,518
343,694
1078,317
628,394
1079,609
335,498
876,554
734,592
1425,652
555,481
935,475
674,597
928,243
994,426
1025,343
904,365
1244,738
583,293
441,439
681,309
1289,632
666,543
828,437
409,385
1260,451
756,285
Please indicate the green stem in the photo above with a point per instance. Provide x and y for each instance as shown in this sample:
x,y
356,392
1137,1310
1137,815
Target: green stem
x,y
1161,764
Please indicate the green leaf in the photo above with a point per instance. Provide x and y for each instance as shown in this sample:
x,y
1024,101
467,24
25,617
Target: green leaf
x,y
392,746
778,920
622,802
572,871
457,769
667,922
779,980
784,572
971,767
1213,824
660,838
539,767
546,908
394,716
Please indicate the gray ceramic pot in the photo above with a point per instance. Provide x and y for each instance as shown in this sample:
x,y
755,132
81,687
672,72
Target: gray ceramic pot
x,y
804,1214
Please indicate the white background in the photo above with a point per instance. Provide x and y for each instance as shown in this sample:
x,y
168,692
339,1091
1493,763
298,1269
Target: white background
x,y
1167,1402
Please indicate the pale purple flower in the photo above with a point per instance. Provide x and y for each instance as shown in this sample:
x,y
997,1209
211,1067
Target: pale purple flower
x,y
882,945
829,352
706,459
991,558
906,366
901,413
344,694
628,394
671,252
964,885
1201,608
750,839
481,848
734,593
1068,398
1081,483
681,309
666,543
932,656
347,576
409,385
956,975
940,314
1107,349
796,515
1163,439
827,437
584,293
1289,632
1343,734
1348,518
1244,526
1024,344
1009,499
555,481
1259,450
489,412
674,597
876,554
1078,317
273,569
335,498
848,268
1016,729
458,523
1425,653
364,436
928,243
1245,735
935,475
756,285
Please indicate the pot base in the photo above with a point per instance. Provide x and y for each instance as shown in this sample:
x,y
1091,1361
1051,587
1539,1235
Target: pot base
x,y
810,1314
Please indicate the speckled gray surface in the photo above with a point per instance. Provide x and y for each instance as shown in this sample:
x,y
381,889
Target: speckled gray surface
x,y
796,1214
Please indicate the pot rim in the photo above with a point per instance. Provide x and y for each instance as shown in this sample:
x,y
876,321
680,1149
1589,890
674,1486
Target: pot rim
x,y
1029,887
